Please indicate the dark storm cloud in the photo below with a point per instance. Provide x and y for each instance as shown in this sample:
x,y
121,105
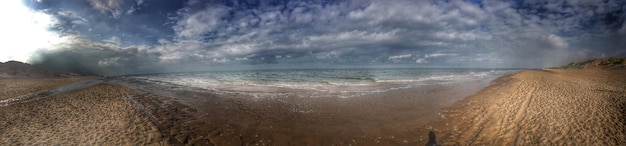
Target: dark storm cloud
x,y
298,33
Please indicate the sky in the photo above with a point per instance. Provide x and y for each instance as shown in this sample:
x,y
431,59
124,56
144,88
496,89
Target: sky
x,y
113,37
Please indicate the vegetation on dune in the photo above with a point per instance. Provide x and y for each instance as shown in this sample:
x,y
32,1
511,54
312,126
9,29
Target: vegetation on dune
x,y
613,61
608,63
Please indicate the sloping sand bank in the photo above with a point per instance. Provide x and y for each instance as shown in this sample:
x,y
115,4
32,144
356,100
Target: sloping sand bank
x,y
10,88
550,107
98,115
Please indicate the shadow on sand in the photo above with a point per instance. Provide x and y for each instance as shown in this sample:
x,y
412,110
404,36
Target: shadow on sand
x,y
432,141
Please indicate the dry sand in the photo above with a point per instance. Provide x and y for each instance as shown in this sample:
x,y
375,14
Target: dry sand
x,y
99,115
550,107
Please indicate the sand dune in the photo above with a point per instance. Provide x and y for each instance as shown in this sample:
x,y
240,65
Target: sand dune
x,y
15,69
551,107
98,115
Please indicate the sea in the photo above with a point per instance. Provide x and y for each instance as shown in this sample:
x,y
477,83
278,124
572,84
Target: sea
x,y
321,82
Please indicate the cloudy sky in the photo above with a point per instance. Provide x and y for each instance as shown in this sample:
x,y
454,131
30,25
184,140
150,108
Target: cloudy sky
x,y
140,36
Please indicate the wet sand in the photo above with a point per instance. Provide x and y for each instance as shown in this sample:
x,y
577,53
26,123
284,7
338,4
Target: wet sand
x,y
549,107
195,116
99,115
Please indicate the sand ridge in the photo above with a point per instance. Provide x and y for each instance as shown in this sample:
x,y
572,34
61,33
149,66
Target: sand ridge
x,y
10,88
549,107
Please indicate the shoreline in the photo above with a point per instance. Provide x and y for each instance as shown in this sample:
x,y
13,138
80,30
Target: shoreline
x,y
395,117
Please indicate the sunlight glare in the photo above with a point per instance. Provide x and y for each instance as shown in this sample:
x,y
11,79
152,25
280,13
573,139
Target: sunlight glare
x,y
24,31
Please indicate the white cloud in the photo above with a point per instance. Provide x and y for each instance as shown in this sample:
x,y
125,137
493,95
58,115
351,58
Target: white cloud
x,y
25,31
113,41
400,56
440,55
400,11
328,55
421,61
557,41
355,36
109,61
194,25
139,2
465,36
221,60
241,58
163,41
76,18
112,7
238,49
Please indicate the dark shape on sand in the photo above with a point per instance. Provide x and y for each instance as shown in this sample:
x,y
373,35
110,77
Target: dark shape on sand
x,y
431,139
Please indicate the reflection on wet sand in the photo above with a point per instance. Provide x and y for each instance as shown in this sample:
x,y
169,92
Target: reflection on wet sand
x,y
195,116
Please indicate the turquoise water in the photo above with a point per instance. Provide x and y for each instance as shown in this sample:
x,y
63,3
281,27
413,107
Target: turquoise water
x,y
334,81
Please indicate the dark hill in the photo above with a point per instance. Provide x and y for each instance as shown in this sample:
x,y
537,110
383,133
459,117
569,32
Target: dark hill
x,y
15,69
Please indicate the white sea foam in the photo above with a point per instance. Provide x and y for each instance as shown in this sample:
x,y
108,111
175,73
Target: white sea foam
x,y
343,82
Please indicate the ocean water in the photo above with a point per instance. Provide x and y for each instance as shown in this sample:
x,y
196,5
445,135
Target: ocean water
x,y
321,82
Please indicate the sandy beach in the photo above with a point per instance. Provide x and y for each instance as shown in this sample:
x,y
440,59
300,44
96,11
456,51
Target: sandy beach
x,y
541,107
99,115
532,107
313,72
